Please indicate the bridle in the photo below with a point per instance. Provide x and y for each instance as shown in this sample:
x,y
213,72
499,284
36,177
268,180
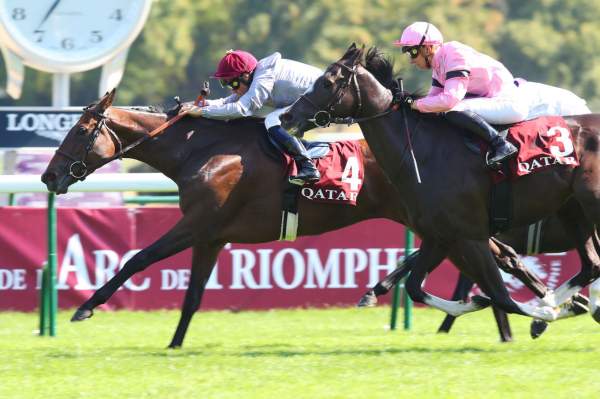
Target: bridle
x,y
78,168
323,118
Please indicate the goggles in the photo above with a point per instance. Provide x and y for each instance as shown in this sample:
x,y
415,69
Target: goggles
x,y
231,84
413,51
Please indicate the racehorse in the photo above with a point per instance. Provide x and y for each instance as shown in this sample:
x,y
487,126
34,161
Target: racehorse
x,y
449,209
230,182
544,236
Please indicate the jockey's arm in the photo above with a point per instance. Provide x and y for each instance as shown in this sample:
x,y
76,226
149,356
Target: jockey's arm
x,y
253,100
447,98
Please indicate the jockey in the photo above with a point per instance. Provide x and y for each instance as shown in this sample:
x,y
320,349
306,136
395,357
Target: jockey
x,y
471,88
264,88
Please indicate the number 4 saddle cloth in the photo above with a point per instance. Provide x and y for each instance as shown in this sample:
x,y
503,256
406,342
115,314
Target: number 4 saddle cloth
x,y
342,174
542,142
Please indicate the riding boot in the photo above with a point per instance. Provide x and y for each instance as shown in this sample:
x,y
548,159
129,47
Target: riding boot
x,y
307,172
500,149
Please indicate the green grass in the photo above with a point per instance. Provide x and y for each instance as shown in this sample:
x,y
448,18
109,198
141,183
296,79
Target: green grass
x,y
332,353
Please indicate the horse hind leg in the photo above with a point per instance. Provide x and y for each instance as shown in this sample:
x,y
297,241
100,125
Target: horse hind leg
x,y
203,262
175,240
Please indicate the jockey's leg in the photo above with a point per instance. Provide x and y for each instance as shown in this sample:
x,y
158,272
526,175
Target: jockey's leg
x,y
307,172
500,149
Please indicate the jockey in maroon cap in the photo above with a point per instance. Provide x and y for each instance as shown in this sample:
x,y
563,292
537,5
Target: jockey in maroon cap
x,y
264,88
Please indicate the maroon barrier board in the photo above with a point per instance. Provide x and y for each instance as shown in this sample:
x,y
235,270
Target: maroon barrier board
x,y
332,269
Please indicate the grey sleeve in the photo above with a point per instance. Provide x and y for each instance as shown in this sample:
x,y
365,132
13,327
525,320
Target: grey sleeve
x,y
254,99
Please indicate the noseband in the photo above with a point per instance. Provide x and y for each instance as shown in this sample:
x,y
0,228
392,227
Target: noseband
x,y
78,169
323,118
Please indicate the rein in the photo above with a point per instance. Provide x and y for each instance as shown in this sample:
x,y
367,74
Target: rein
x,y
78,169
323,118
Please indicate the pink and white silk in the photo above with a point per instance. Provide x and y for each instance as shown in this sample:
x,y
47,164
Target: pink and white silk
x,y
459,70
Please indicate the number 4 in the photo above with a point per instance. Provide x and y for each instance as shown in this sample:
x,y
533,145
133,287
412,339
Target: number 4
x,y
350,174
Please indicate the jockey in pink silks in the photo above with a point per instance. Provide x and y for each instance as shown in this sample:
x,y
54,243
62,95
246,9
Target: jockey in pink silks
x,y
471,88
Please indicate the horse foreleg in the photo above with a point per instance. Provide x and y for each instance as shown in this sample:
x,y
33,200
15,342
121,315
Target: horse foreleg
x,y
203,262
369,299
431,255
176,240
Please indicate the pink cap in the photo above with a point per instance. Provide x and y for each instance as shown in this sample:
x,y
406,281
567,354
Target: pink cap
x,y
420,33
235,63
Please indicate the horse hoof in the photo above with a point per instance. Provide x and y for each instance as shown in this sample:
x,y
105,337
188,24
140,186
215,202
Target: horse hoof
x,y
82,314
579,308
581,299
481,301
368,300
537,328
596,315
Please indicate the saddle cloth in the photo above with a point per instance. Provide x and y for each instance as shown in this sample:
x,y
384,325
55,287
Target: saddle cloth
x,y
542,142
342,174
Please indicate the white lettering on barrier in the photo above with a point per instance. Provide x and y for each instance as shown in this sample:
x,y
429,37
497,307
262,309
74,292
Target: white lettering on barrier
x,y
297,264
375,268
74,262
130,284
316,270
355,261
107,265
12,279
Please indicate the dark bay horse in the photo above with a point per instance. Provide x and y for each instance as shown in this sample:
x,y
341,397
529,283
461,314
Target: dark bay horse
x,y
230,189
544,236
449,210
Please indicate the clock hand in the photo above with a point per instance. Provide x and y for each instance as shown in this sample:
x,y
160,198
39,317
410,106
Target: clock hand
x,y
48,13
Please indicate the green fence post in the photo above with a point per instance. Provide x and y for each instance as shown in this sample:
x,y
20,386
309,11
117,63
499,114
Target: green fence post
x,y
44,300
408,303
52,294
395,305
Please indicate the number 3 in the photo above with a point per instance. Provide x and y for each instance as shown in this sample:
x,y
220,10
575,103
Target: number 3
x,y
564,138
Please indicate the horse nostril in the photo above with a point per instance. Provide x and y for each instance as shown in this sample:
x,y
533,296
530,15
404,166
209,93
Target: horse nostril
x,y
48,177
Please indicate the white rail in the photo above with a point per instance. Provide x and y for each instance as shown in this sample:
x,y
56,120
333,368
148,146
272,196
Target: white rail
x,y
93,183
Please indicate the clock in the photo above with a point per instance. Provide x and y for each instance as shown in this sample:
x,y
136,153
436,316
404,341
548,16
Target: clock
x,y
65,36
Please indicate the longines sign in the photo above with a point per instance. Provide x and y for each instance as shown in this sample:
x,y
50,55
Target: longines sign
x,y
35,126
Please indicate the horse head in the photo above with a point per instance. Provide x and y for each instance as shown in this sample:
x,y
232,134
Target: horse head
x,y
346,89
85,148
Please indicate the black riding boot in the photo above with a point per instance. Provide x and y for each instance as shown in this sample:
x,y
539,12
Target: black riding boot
x,y
307,172
500,149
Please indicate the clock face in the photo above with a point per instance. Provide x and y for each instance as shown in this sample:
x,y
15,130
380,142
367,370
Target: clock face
x,y
70,35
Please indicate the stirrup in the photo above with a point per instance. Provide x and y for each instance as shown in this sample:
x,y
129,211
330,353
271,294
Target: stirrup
x,y
300,181
497,165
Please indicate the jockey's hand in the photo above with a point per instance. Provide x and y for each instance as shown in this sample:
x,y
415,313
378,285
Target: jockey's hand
x,y
191,109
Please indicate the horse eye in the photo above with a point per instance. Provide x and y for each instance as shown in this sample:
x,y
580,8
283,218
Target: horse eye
x,y
81,131
327,83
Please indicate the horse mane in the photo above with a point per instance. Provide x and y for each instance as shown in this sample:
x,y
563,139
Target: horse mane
x,y
382,68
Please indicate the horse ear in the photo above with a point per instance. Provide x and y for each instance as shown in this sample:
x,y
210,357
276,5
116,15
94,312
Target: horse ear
x,y
106,100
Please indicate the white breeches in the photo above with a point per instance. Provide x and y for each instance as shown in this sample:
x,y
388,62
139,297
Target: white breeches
x,y
272,118
529,101
503,109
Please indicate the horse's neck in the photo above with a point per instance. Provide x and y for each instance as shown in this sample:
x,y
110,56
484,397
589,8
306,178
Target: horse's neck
x,y
131,126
